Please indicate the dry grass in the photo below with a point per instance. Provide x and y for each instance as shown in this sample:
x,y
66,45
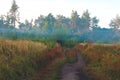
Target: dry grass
x,y
21,59
102,60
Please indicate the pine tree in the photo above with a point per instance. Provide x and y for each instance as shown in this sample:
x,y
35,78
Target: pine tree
x,y
14,14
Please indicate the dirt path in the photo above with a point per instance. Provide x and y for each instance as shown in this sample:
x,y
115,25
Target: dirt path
x,y
73,71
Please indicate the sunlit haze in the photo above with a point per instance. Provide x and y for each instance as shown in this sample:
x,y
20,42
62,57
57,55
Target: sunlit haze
x,y
105,10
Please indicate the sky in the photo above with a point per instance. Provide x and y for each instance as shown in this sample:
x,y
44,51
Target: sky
x,y
104,10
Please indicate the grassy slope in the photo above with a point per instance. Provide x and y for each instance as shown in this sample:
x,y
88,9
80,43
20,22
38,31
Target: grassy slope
x,y
102,61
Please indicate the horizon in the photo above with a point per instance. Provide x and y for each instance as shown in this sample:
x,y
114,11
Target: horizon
x,y
103,10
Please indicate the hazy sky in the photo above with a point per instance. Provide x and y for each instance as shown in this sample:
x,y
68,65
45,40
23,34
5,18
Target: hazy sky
x,y
105,10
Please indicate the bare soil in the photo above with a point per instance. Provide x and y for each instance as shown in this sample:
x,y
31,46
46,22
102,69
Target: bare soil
x,y
74,71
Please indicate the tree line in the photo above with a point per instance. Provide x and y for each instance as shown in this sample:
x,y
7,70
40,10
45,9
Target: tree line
x,y
83,28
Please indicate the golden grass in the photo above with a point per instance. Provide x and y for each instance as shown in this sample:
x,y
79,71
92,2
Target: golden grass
x,y
21,60
102,60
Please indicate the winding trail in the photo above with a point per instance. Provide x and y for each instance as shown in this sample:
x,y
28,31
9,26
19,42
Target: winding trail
x,y
74,71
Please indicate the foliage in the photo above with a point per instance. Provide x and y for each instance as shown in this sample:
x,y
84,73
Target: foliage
x,y
60,33
115,23
48,42
50,27
81,28
13,14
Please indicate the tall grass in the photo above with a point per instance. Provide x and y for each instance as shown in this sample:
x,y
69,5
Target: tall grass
x,y
19,60
102,61
22,60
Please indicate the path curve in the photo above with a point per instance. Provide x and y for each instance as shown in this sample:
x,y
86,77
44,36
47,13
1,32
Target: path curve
x,y
73,71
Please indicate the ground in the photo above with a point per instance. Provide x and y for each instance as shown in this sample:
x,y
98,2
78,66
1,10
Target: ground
x,y
73,71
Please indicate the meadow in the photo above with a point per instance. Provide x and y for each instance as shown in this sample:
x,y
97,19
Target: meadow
x,y
28,60
31,60
102,60
37,49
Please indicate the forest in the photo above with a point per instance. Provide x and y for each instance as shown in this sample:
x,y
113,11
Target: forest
x,y
81,28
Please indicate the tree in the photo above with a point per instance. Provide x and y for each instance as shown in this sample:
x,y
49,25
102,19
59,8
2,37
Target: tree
x,y
26,26
39,21
85,21
13,17
13,14
1,21
115,23
94,22
60,33
4,21
49,22
62,21
75,19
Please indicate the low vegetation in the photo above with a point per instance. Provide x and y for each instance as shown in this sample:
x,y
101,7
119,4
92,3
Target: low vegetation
x,y
20,59
32,52
102,61
27,60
